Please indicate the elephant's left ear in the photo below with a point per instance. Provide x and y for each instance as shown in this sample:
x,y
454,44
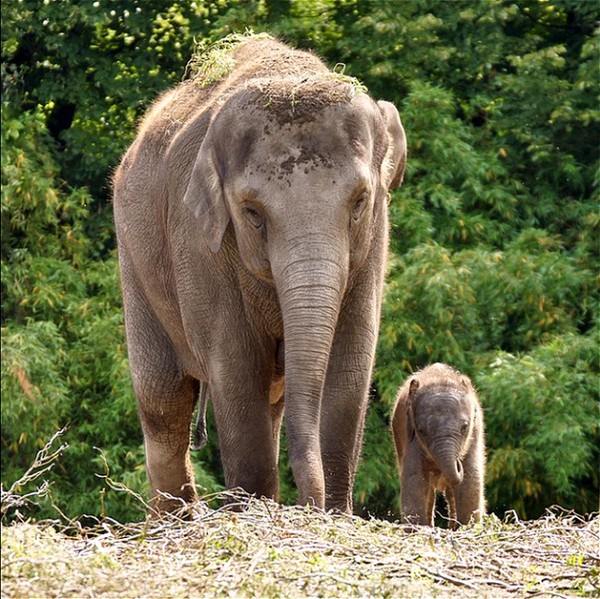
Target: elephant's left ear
x,y
394,162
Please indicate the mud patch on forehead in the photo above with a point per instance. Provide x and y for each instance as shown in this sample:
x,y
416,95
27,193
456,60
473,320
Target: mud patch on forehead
x,y
306,158
314,156
287,166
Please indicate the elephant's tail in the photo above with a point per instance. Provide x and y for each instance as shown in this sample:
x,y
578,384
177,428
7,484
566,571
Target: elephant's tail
x,y
200,435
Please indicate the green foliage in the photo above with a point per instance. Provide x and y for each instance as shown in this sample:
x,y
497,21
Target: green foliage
x,y
63,358
494,235
93,68
376,490
542,428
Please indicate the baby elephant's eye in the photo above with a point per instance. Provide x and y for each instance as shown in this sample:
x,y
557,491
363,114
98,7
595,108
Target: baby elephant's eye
x,y
254,216
464,427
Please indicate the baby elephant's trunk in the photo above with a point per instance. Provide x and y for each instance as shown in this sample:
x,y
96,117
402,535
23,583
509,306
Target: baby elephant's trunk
x,y
451,467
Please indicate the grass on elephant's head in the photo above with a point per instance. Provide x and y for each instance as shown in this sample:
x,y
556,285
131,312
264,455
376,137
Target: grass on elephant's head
x,y
338,73
270,550
212,61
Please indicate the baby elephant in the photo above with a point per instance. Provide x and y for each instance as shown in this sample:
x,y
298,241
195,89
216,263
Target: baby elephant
x,y
438,430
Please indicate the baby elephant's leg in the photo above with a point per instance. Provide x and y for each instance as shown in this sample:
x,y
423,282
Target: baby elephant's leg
x,y
452,514
416,492
470,502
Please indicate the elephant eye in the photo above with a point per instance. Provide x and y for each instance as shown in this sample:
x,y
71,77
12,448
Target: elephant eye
x,y
359,206
254,216
464,428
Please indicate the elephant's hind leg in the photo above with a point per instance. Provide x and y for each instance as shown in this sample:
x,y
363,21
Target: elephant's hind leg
x,y
430,498
276,418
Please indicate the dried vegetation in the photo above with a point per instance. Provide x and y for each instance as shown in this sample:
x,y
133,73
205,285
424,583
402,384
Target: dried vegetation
x,y
212,61
258,548
269,550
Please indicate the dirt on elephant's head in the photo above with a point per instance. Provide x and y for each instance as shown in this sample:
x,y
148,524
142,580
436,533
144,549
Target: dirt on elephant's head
x,y
292,85
299,99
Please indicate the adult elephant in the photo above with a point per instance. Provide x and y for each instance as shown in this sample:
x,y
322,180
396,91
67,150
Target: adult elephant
x,y
252,230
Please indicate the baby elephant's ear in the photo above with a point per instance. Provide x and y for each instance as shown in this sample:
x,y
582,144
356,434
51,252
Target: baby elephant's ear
x,y
394,162
413,387
204,196
465,381
410,420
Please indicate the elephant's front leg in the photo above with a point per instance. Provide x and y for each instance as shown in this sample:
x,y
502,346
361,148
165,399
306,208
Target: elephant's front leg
x,y
345,399
165,398
166,426
243,414
417,494
470,503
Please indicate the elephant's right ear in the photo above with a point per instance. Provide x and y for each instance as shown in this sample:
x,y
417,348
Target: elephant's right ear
x,y
204,196
413,387
410,416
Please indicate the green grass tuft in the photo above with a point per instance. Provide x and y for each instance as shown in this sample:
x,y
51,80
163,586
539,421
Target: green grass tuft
x,y
212,61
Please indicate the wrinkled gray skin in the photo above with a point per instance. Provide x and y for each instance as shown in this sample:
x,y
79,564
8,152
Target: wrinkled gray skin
x,y
438,430
251,220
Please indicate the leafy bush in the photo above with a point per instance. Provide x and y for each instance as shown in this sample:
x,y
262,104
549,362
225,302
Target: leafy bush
x,y
543,436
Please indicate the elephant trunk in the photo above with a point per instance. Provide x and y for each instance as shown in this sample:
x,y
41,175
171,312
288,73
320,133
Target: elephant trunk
x,y
310,292
445,455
